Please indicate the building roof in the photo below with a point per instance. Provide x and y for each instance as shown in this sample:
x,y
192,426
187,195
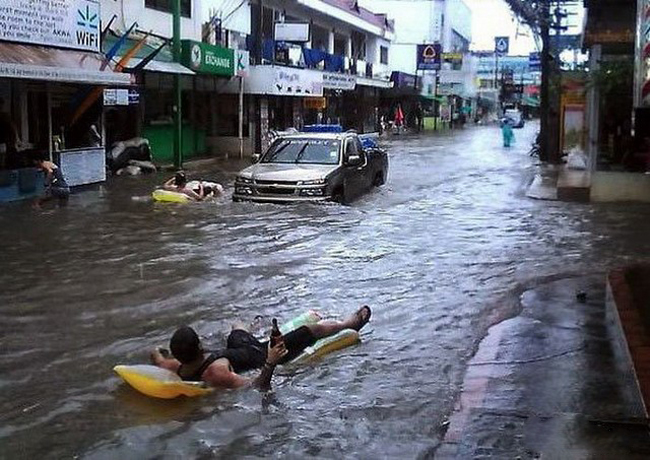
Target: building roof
x,y
353,7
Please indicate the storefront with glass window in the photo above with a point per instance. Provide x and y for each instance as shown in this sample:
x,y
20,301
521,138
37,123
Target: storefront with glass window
x,y
51,101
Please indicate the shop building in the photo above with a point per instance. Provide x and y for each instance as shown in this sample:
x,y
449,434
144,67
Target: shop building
x,y
315,62
44,78
616,107
445,89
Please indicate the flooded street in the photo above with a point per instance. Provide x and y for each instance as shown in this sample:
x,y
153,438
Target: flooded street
x,y
441,252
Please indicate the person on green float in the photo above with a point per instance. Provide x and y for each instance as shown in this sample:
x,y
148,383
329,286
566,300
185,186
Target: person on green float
x,y
244,352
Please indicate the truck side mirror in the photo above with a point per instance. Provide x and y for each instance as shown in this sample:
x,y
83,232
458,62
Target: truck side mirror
x,y
353,160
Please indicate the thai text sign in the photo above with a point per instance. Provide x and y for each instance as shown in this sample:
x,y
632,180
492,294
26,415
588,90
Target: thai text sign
x,y
285,81
63,23
339,81
206,58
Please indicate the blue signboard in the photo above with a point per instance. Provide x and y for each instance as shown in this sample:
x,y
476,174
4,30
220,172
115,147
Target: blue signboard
x,y
429,56
534,62
501,45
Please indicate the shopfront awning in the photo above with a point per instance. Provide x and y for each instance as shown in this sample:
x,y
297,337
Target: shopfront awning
x,y
384,84
53,64
161,66
163,61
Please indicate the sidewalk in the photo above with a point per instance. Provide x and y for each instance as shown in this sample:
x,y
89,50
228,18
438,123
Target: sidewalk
x,y
550,383
557,182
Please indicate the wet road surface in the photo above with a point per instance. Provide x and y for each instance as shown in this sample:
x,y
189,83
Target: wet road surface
x,y
441,252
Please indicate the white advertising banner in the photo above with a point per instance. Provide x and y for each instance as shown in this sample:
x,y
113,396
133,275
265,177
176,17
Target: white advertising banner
x,y
339,81
64,23
63,74
284,81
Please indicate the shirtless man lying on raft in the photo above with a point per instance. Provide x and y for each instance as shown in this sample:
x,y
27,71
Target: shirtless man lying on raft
x,y
244,352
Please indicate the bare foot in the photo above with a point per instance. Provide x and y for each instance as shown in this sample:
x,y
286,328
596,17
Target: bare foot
x,y
361,318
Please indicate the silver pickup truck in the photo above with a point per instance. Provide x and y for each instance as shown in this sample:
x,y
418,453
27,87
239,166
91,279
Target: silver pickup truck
x,y
313,167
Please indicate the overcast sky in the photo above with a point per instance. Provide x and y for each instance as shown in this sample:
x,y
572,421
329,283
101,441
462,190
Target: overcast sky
x,y
492,18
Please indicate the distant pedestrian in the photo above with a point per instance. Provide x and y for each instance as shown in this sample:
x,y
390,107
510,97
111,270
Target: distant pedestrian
x,y
508,134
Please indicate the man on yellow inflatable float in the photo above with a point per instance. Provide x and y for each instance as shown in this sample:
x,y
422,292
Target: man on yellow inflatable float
x,y
244,352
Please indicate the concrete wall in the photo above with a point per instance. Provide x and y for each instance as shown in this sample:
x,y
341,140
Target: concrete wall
x,y
609,186
458,17
221,146
160,23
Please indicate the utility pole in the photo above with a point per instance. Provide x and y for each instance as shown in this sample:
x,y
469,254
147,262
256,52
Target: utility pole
x,y
178,118
544,28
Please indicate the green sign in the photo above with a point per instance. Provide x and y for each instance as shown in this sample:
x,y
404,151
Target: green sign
x,y
209,59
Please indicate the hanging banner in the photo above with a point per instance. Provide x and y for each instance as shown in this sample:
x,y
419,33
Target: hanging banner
x,y
63,23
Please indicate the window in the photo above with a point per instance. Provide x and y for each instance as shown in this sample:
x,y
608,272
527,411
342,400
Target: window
x,y
166,6
383,54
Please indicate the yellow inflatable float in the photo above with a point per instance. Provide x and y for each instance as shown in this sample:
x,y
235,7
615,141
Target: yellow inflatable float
x,y
161,383
167,196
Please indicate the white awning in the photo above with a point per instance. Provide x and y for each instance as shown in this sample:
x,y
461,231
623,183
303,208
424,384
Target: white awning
x,y
53,64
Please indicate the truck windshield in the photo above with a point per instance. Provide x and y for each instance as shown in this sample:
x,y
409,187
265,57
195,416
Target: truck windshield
x,y
309,151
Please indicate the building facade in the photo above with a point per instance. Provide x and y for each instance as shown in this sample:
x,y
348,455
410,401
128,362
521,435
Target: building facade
x,y
448,92
51,74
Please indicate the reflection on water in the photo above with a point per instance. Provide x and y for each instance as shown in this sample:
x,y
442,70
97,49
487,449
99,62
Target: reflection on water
x,y
440,252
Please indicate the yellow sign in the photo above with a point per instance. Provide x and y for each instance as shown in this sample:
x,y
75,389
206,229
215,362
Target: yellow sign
x,y
315,103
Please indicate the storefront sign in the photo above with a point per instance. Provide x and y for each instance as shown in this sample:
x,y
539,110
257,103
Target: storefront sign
x,y
63,23
134,97
114,96
339,81
453,58
206,58
242,63
315,103
63,74
404,80
429,56
285,81
292,32
449,89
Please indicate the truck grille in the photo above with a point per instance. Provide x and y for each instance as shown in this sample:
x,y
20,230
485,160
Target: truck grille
x,y
276,182
275,191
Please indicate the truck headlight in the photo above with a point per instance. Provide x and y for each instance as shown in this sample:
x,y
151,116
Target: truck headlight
x,y
312,192
243,190
313,182
244,180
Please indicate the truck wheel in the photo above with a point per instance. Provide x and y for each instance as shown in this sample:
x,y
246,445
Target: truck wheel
x,y
379,179
338,196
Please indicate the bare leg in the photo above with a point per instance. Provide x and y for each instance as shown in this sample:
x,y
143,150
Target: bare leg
x,y
327,328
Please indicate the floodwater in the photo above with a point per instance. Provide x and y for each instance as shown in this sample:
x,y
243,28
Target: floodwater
x,y
441,252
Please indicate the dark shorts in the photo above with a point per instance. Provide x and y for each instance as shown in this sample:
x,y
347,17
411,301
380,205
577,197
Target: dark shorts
x,y
245,352
54,191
